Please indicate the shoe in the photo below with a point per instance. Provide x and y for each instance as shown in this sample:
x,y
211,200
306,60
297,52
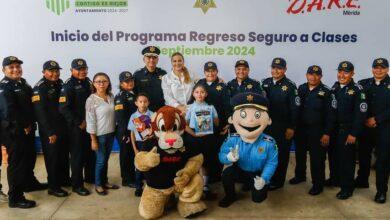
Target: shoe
x,y
227,201
22,204
138,192
361,184
209,196
58,192
296,180
111,186
103,192
343,194
315,191
82,191
275,187
36,187
380,197
130,184
3,197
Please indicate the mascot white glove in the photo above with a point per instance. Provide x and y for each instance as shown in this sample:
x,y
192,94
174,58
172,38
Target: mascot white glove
x,y
259,183
233,155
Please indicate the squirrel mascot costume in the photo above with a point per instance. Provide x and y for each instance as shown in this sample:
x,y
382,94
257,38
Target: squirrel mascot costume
x,y
249,155
170,167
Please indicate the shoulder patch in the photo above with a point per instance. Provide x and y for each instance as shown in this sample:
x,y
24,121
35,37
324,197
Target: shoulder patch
x,y
359,86
118,107
62,99
35,98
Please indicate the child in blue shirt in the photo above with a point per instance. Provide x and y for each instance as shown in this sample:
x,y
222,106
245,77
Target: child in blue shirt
x,y
201,119
139,126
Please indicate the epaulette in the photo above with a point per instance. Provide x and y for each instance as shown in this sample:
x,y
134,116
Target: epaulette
x,y
268,138
39,83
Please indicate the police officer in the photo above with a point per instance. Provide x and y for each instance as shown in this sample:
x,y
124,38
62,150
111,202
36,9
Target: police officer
x,y
218,96
284,102
148,79
51,123
3,197
242,82
350,116
19,131
378,97
124,107
74,94
315,124
365,145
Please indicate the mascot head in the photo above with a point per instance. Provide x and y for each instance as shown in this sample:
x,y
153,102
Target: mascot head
x,y
250,115
169,125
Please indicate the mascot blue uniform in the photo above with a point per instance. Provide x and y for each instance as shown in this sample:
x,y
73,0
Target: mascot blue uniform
x,y
248,155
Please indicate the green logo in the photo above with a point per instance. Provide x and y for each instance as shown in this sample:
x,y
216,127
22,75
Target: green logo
x,y
57,6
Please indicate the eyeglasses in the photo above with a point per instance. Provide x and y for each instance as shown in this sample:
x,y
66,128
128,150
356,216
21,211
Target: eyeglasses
x,y
101,82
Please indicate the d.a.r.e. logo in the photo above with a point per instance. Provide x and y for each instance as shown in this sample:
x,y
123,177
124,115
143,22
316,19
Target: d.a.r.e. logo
x,y
347,7
57,6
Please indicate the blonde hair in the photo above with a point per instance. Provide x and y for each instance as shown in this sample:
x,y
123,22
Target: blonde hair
x,y
186,74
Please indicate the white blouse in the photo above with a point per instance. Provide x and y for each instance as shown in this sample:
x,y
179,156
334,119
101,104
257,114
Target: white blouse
x,y
176,92
100,115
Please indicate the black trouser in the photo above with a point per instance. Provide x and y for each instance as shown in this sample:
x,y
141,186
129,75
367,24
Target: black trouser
x,y
1,162
308,139
332,159
17,170
277,131
126,159
64,164
346,160
383,157
365,146
215,167
29,142
52,154
82,158
233,174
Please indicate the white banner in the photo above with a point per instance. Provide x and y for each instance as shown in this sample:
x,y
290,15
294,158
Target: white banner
x,y
110,34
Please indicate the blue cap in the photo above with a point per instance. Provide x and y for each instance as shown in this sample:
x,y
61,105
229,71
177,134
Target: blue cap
x,y
10,60
249,99
79,64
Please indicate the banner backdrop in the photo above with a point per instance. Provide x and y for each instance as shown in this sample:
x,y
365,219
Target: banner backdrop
x,y
110,34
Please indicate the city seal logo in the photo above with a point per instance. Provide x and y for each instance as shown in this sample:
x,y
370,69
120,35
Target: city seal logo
x,y
205,5
52,63
57,7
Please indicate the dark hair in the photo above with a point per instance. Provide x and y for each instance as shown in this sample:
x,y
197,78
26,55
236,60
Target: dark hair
x,y
192,99
141,94
109,88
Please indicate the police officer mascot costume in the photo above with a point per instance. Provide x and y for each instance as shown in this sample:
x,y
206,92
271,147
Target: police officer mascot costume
x,y
248,155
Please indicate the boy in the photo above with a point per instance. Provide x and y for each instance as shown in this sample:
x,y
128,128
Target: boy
x,y
140,130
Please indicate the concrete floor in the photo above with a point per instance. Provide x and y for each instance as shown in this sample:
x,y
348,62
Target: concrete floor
x,y
290,202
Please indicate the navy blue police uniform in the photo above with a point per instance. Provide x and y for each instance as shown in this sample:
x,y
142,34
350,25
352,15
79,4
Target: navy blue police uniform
x,y
150,82
350,117
45,98
378,99
72,106
124,107
20,145
283,108
315,119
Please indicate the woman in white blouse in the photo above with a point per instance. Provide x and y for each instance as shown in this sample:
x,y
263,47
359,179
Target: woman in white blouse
x,y
178,84
100,118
